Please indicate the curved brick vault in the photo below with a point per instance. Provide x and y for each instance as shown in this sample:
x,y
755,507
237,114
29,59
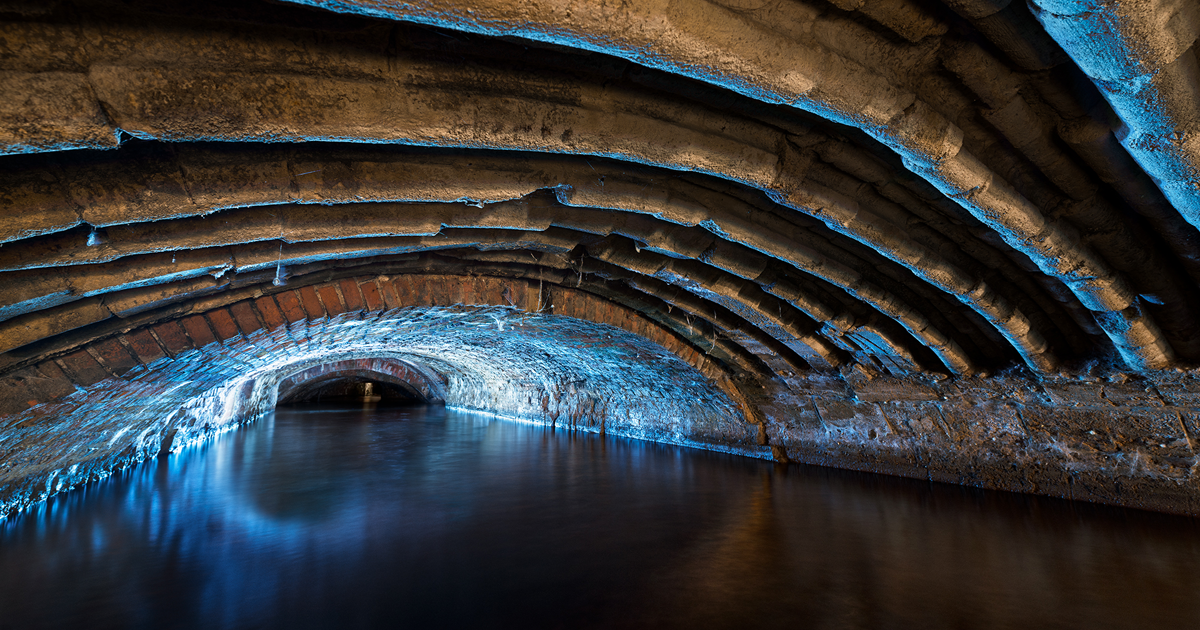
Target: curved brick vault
x,y
949,239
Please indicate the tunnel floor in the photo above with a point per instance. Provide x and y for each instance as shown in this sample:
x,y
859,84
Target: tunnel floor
x,y
427,517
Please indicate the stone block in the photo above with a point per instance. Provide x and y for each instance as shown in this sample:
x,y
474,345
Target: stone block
x,y
1132,394
35,203
1102,431
144,346
922,420
1181,393
852,421
39,325
1075,393
984,423
68,114
891,389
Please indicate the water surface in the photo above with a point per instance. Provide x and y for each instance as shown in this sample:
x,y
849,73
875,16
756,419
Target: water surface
x,y
428,518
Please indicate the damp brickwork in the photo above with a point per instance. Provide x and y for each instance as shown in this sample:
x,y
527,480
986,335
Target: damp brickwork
x,y
549,369
1128,439
113,357
948,239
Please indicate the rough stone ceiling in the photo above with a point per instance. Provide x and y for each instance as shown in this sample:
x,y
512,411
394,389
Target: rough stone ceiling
x,y
898,188
902,185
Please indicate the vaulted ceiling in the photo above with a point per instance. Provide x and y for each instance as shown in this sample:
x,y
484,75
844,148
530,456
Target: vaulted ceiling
x,y
905,186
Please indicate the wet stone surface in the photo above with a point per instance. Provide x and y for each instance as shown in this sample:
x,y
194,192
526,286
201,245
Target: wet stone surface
x,y
424,517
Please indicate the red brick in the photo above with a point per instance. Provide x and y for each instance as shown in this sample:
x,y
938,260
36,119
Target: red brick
x,y
312,305
222,323
460,291
172,337
471,293
83,368
445,287
198,329
354,301
243,313
436,292
389,295
270,312
50,369
331,300
289,303
494,292
144,346
114,356
371,294
403,286
55,385
468,290
416,291
28,387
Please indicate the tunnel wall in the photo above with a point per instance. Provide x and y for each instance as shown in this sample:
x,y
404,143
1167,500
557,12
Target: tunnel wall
x,y
1124,439
907,236
157,389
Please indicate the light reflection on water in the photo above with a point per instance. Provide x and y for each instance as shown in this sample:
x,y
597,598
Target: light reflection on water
x,y
423,517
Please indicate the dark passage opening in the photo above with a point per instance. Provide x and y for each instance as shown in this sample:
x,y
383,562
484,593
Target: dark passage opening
x,y
352,389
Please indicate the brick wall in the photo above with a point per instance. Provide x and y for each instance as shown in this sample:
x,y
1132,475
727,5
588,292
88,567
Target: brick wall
x,y
122,399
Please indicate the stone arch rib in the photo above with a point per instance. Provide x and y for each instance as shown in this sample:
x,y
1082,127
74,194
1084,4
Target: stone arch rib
x,y
816,80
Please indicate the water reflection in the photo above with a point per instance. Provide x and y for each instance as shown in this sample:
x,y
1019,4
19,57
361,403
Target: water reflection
x,y
423,517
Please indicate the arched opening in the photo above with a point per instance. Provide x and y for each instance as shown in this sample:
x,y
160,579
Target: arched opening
x,y
352,389
355,381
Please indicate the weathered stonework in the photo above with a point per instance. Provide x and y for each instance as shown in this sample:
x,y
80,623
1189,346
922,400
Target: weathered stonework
x,y
953,240
542,368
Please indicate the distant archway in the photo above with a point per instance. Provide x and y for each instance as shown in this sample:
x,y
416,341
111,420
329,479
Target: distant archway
x,y
388,380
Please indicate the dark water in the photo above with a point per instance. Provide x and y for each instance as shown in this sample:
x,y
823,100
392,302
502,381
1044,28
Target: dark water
x,y
427,518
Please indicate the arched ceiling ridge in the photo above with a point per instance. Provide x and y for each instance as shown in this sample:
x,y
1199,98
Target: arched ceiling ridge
x,y
735,147
821,82
144,270
825,267
62,319
915,259
269,223
1142,58
922,260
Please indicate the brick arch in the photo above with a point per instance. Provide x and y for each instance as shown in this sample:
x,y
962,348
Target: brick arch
x,y
115,356
163,386
423,384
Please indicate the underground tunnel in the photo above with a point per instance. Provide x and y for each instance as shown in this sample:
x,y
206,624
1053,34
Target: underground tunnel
x,y
952,241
